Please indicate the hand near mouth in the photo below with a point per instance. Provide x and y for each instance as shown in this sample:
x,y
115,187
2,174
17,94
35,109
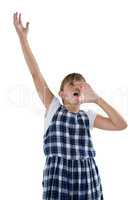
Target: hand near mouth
x,y
87,94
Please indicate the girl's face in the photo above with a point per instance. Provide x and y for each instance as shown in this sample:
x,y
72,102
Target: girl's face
x,y
72,92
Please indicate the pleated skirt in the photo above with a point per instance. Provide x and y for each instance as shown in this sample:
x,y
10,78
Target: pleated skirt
x,y
70,179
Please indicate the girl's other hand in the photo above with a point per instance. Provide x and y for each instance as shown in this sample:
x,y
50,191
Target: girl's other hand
x,y
88,95
20,29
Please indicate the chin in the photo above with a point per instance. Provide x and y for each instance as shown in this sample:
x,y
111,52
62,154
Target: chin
x,y
75,103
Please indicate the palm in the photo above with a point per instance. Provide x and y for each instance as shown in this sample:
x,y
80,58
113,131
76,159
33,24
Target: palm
x,y
21,30
88,95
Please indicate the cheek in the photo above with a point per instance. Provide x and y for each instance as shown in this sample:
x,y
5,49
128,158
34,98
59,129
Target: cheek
x,y
67,94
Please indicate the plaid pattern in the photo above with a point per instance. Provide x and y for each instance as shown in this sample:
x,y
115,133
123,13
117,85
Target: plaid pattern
x,y
70,172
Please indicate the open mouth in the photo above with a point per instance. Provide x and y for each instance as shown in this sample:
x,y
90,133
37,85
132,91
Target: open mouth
x,y
76,94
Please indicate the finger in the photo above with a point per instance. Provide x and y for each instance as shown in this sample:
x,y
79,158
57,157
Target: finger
x,y
88,85
16,18
19,20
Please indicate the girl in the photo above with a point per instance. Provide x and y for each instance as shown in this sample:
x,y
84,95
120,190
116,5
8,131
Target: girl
x,y
70,171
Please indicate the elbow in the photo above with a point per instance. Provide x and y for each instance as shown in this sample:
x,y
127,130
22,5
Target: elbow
x,y
122,126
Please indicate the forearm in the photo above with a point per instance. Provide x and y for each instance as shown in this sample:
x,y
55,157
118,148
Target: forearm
x,y
37,76
29,57
113,115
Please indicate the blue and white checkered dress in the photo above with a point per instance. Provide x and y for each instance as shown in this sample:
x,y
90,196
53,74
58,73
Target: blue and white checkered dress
x,y
70,171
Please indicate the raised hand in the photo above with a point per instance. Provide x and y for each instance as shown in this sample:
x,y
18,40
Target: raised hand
x,y
20,29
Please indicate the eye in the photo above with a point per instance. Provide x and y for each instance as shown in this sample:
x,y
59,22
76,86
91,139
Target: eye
x,y
71,83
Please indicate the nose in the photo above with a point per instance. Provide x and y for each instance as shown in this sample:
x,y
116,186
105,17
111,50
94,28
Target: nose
x,y
77,86
77,89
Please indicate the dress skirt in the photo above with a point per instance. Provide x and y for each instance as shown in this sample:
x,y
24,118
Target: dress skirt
x,y
70,179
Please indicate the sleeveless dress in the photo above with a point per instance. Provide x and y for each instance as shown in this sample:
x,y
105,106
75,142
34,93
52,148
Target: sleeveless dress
x,y
70,171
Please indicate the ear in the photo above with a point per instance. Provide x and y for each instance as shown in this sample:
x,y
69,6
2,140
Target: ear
x,y
60,94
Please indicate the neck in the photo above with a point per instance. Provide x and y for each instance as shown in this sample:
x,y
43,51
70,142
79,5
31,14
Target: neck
x,y
72,108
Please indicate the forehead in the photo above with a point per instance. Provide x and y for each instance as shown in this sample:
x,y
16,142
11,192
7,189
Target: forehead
x,y
74,82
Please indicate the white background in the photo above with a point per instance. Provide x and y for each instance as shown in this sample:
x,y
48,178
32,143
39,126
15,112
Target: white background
x,y
93,38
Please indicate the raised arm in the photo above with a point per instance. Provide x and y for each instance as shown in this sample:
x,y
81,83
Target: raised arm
x,y
44,92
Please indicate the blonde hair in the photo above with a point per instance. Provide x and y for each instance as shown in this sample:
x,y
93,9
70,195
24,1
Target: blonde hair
x,y
71,77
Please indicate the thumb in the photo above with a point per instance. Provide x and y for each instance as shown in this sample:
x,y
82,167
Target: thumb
x,y
27,26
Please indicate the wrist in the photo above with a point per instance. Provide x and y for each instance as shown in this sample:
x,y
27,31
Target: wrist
x,y
97,100
23,38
